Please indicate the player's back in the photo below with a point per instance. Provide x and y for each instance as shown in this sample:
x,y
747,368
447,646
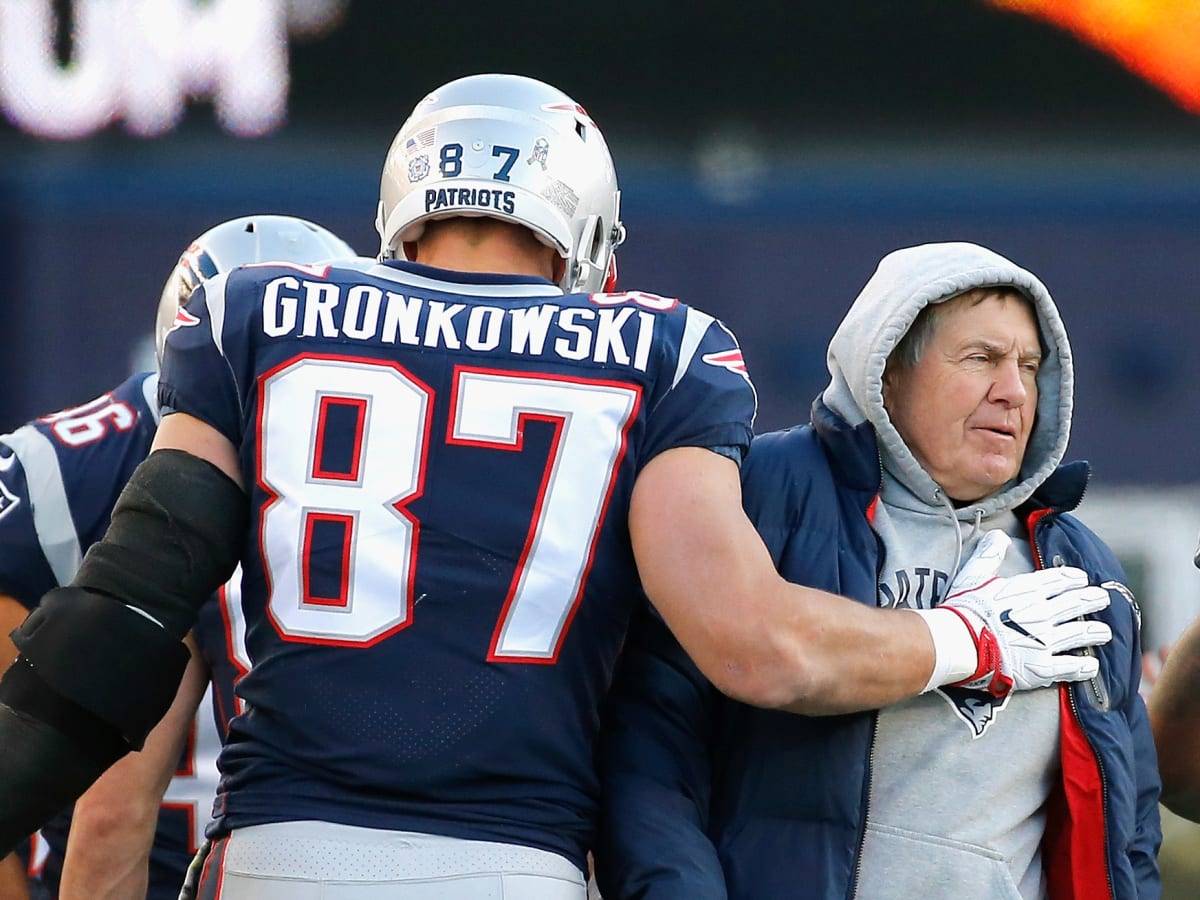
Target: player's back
x,y
438,574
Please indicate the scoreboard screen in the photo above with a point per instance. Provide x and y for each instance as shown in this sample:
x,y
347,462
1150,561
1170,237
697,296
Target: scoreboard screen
x,y
68,70
1155,39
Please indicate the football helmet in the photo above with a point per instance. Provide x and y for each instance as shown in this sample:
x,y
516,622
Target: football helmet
x,y
249,239
512,148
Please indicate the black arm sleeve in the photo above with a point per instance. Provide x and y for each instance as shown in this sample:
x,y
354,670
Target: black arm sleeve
x,y
41,772
176,536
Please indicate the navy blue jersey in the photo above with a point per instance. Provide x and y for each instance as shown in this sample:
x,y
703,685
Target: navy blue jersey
x,y
438,574
60,477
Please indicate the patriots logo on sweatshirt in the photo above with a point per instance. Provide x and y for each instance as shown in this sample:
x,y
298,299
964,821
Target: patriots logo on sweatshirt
x,y
976,708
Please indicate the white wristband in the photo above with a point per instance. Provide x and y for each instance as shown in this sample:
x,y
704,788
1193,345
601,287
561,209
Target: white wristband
x,y
955,653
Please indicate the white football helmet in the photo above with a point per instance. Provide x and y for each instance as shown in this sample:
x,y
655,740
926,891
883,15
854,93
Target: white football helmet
x,y
250,239
512,148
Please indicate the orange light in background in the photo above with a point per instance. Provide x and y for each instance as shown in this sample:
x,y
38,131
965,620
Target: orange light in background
x,y
1159,40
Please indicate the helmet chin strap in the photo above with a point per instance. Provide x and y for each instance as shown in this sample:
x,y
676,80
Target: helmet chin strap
x,y
386,236
587,273
580,267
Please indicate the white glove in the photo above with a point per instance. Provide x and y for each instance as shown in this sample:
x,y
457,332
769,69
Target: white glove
x,y
1024,626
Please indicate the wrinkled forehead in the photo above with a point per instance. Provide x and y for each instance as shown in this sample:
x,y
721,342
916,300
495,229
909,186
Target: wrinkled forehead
x,y
968,308
977,296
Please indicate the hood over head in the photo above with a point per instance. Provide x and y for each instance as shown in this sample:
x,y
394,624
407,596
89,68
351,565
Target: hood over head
x,y
905,282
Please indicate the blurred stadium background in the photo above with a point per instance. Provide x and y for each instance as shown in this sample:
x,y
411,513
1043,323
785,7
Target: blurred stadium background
x,y
769,155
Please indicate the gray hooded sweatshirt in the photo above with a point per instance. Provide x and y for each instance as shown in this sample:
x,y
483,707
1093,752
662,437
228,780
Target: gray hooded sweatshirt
x,y
959,780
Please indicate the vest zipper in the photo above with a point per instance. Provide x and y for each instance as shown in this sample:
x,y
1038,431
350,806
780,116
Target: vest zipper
x,y
1101,695
866,810
852,893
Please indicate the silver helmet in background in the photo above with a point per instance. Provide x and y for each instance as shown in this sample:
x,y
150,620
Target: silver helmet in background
x,y
249,239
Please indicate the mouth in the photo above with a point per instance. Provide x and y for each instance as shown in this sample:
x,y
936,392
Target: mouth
x,y
1002,431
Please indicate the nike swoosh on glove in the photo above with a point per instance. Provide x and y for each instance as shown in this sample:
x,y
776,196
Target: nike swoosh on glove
x,y
1026,626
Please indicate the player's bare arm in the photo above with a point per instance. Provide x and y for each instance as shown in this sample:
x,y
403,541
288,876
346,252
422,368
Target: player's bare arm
x,y
772,643
757,637
179,431
1174,707
112,831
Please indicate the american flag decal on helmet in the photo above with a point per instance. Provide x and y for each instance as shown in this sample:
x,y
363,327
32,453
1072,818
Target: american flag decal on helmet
x,y
421,140
727,359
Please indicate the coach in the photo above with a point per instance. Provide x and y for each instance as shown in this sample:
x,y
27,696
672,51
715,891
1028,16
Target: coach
x,y
939,439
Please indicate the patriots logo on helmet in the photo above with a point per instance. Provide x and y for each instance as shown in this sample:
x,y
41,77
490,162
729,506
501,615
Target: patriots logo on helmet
x,y
976,708
183,319
196,265
569,107
727,359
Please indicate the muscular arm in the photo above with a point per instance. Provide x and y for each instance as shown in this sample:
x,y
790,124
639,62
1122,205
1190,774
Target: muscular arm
x,y
179,431
757,637
112,830
1175,720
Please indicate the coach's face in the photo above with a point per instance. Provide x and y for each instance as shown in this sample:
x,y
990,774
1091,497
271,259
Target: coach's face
x,y
967,407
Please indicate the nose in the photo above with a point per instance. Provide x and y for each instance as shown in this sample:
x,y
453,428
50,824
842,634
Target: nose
x,y
1008,384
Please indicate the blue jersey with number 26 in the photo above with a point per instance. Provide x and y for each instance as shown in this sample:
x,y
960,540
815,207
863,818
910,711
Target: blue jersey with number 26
x,y
438,573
